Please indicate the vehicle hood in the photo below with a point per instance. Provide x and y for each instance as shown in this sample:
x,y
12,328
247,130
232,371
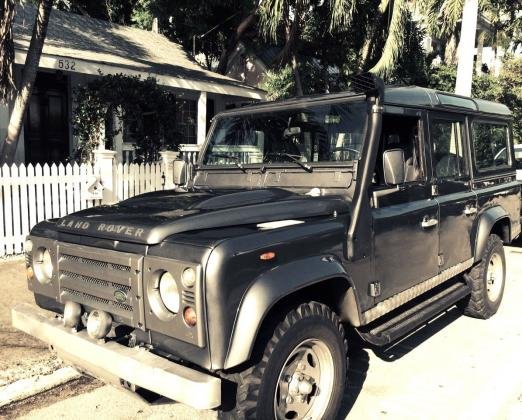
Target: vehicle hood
x,y
152,217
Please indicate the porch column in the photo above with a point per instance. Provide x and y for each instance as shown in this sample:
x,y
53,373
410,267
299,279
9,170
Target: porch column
x,y
117,141
167,159
103,166
202,118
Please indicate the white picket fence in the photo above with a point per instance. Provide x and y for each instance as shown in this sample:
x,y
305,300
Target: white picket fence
x,y
134,179
30,194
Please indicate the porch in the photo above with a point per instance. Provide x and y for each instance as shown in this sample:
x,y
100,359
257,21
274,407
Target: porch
x,y
79,49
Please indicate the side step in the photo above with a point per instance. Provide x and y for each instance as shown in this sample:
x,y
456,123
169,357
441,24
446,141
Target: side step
x,y
401,324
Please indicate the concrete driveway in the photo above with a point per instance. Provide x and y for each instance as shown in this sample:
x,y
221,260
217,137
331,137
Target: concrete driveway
x,y
453,368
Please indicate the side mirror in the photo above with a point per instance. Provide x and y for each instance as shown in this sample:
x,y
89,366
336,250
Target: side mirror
x,y
394,164
180,170
518,164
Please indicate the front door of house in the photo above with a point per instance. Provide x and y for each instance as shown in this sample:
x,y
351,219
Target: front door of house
x,y
46,127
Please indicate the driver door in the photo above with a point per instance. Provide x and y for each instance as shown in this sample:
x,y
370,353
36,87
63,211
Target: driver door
x,y
405,218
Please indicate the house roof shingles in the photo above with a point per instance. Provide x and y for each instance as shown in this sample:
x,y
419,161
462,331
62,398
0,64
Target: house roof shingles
x,y
98,41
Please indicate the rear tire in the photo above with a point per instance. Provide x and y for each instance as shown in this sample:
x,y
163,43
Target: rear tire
x,y
487,280
307,352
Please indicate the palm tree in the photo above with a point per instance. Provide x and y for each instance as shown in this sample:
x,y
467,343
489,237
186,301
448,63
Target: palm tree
x,y
398,15
289,17
7,85
466,47
32,59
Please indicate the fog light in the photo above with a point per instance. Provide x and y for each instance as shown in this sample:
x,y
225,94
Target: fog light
x,y
190,317
99,324
71,314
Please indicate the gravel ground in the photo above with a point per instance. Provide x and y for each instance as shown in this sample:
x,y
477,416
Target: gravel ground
x,y
21,356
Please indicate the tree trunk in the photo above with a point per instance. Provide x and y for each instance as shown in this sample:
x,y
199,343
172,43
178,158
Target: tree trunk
x,y
231,46
8,149
466,49
297,77
371,42
480,49
7,86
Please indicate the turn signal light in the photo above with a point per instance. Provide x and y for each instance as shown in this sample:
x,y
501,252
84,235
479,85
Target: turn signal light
x,y
190,317
29,272
267,256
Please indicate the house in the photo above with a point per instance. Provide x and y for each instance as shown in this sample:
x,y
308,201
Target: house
x,y
78,49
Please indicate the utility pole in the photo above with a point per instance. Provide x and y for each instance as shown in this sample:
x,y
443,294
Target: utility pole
x,y
467,48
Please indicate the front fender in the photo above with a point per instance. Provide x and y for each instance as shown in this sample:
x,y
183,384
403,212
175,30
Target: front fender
x,y
267,290
485,223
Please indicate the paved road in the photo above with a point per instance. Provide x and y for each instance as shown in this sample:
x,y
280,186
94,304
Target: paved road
x,y
453,368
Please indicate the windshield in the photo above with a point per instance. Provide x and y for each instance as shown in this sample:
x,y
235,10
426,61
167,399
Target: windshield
x,y
319,133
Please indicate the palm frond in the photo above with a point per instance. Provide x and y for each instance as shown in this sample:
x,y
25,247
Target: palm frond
x,y
395,39
341,12
451,13
384,5
271,13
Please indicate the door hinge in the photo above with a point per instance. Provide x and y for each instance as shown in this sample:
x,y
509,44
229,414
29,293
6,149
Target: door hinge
x,y
441,260
375,289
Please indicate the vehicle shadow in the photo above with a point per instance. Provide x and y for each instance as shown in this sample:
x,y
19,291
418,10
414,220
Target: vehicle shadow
x,y
517,243
359,354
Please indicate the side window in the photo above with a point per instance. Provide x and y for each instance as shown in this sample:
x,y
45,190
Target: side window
x,y
447,152
490,143
401,132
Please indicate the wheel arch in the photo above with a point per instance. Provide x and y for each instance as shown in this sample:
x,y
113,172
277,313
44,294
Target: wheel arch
x,y
287,285
494,220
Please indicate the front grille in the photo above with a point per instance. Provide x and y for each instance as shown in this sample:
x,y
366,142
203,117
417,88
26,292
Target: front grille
x,y
188,297
94,263
85,279
102,279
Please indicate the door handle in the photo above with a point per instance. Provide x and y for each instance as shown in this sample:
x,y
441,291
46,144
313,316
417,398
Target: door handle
x,y
427,222
470,210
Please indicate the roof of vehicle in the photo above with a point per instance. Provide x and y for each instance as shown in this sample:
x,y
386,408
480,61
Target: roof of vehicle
x,y
424,97
410,96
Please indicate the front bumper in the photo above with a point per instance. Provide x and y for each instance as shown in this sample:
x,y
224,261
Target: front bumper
x,y
115,363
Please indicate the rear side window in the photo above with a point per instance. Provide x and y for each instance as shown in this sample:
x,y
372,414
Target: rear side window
x,y
448,149
491,146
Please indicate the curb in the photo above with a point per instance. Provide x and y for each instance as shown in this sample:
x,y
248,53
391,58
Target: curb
x,y
25,388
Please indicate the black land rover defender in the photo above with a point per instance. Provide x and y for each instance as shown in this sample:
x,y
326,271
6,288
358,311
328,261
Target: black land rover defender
x,y
371,210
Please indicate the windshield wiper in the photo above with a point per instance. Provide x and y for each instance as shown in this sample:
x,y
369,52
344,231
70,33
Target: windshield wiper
x,y
292,158
234,158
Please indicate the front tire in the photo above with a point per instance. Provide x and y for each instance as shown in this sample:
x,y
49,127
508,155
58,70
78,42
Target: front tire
x,y
302,371
487,280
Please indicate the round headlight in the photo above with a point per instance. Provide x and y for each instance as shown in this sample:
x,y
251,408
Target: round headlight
x,y
43,266
188,278
169,292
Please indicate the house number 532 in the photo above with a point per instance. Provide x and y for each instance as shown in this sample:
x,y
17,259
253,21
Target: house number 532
x,y
64,64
